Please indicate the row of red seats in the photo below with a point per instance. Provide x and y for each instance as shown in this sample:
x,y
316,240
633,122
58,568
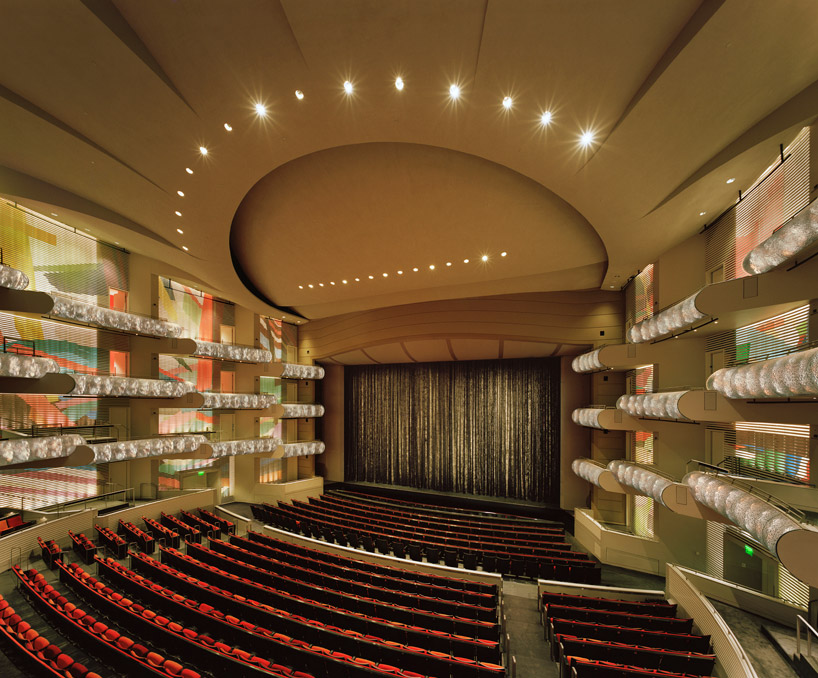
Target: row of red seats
x,y
311,594
200,524
451,539
631,635
189,532
41,657
132,657
624,634
589,668
160,532
145,541
637,621
14,523
226,526
234,626
434,523
233,601
382,592
631,655
350,598
344,571
490,519
83,547
394,533
657,608
112,540
364,566
50,551
196,648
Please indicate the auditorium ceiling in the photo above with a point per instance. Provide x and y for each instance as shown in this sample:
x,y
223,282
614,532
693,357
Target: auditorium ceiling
x,y
324,204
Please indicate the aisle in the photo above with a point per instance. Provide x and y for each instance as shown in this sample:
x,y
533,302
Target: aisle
x,y
526,632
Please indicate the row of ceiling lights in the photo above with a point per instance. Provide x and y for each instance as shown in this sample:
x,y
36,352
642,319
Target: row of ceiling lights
x,y
484,258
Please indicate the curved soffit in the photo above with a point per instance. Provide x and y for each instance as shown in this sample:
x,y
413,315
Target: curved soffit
x,y
387,207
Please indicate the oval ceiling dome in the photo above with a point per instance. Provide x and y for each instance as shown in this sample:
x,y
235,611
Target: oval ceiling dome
x,y
376,212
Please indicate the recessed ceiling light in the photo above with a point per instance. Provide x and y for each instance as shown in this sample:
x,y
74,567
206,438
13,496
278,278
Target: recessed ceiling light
x,y
261,110
431,267
399,83
611,286
485,257
344,281
385,275
448,263
400,272
188,170
180,194
731,180
502,254
454,91
301,287
545,118
203,151
299,94
465,261
310,285
357,280
587,138
178,213
228,127
415,269
332,282
507,102
348,88
320,284
372,277
184,247
179,230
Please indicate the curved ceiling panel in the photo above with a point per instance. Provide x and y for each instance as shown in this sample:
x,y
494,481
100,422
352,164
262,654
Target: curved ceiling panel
x,y
382,210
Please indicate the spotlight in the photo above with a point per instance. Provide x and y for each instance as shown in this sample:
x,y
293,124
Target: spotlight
x,y
261,110
586,139
348,88
545,118
485,257
507,102
203,151
399,84
228,127
454,92
299,94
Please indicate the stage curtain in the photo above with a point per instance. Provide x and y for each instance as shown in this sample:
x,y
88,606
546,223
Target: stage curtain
x,y
483,427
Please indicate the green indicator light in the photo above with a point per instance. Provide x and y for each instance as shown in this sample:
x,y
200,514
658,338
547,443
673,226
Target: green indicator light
x,y
201,473
748,550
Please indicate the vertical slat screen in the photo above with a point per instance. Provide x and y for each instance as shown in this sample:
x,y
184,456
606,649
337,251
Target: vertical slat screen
x,y
778,193
639,297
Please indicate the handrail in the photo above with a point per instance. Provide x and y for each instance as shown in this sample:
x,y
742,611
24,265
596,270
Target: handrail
x,y
793,512
799,620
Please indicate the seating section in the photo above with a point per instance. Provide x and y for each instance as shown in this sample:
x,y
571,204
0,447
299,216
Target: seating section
x,y
205,527
39,655
127,655
14,523
164,535
251,606
511,546
189,532
51,552
226,526
110,539
132,534
607,637
83,547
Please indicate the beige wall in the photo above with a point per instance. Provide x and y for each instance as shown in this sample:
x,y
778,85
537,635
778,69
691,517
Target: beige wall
x,y
502,324
333,457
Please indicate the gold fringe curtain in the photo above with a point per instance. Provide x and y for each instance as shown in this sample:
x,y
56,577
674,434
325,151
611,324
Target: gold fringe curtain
x,y
487,427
